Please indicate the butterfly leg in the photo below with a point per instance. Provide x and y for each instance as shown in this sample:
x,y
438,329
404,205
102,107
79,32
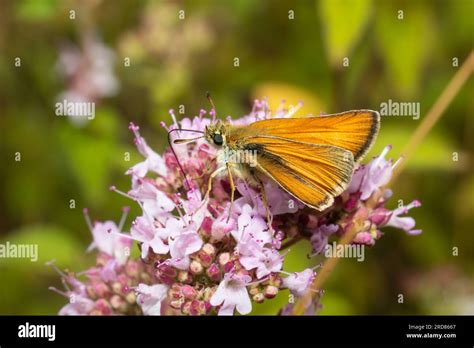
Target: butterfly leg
x,y
209,185
232,190
264,201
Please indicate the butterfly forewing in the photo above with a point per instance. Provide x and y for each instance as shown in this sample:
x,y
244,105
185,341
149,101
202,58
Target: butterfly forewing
x,y
352,130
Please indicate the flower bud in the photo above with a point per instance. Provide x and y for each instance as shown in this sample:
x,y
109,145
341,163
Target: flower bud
x,y
206,226
224,258
204,258
270,291
186,307
103,307
131,297
197,308
117,287
101,290
214,272
118,303
175,293
188,292
209,249
196,267
258,297
254,290
184,277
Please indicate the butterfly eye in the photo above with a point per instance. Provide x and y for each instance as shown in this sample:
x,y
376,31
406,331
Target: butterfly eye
x,y
218,140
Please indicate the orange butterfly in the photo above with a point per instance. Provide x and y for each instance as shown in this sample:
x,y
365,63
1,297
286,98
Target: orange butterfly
x,y
311,158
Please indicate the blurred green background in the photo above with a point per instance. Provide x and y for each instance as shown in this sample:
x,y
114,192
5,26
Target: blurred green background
x,y
150,59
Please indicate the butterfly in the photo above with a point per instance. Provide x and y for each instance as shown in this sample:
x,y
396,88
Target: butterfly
x,y
312,158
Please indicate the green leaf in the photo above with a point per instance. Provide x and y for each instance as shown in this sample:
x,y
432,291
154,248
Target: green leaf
x,y
343,22
405,40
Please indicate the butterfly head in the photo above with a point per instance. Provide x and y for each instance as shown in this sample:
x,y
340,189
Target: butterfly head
x,y
216,133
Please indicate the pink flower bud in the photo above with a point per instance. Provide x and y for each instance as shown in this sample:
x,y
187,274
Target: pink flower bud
x,y
224,258
188,292
101,290
204,258
270,291
131,297
184,277
214,272
103,307
118,303
196,267
258,297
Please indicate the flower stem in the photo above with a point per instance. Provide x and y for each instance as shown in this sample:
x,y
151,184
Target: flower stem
x,y
429,121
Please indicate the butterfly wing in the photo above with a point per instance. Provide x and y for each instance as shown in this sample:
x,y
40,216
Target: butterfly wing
x,y
352,130
314,174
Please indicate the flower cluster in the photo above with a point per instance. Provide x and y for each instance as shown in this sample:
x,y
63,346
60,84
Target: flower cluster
x,y
201,260
108,287
88,73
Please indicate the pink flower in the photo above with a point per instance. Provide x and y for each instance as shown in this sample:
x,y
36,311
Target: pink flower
x,y
265,260
194,209
144,232
250,225
298,282
232,294
320,236
150,298
181,246
106,238
365,238
153,162
368,179
406,223
156,203
222,227
78,305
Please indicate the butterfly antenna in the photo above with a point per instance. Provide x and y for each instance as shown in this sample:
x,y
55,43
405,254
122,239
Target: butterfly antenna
x,y
208,96
174,152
